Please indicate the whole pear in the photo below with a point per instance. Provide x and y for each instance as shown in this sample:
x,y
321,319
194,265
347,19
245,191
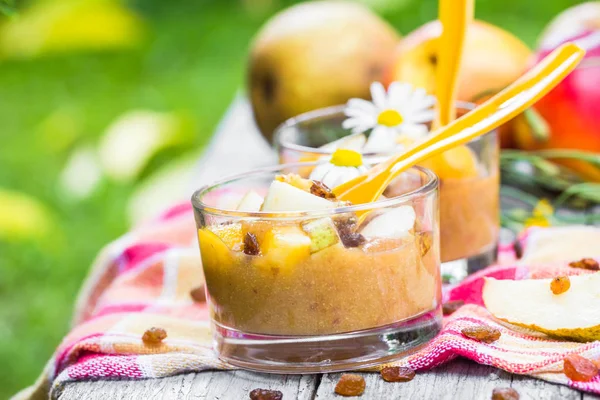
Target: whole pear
x,y
314,55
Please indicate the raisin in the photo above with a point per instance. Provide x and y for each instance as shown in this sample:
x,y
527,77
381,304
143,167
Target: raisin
x,y
578,368
518,248
251,246
350,385
198,294
586,263
318,188
560,284
397,374
451,306
347,231
154,335
505,394
266,394
482,333
352,239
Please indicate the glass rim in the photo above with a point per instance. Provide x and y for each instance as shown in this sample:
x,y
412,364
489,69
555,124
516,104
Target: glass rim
x,y
423,190
331,111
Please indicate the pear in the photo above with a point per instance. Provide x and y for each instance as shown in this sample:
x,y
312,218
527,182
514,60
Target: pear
x,y
322,234
574,314
251,202
394,223
285,246
285,197
313,55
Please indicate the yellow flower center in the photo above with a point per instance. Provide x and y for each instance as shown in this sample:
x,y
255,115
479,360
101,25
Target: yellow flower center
x,y
389,118
346,158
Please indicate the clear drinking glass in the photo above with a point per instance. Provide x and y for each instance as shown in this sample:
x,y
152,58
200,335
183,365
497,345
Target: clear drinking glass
x,y
469,185
312,293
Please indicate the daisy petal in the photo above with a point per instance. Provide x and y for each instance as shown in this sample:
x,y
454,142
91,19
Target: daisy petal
x,y
361,104
381,140
422,116
379,95
398,94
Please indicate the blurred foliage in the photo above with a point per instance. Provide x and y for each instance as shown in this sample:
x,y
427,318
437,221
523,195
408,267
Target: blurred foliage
x,y
69,69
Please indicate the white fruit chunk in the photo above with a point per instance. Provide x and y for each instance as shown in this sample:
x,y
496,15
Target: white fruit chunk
x,y
322,234
251,202
394,223
574,314
285,197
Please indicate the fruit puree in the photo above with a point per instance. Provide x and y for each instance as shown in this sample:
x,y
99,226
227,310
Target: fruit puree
x,y
289,291
469,212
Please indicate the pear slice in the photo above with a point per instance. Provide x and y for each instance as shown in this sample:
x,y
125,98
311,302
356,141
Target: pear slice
x,y
322,234
285,197
574,314
394,223
251,202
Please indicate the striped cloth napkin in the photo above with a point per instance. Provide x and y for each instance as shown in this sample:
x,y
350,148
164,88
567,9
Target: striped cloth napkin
x,y
144,279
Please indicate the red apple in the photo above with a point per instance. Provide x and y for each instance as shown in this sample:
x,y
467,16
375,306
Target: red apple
x,y
572,109
572,22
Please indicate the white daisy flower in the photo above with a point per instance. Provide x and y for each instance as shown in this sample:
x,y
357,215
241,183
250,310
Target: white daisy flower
x,y
344,165
400,113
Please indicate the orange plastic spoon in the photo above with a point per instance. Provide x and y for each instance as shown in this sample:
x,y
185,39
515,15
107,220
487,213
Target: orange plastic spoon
x,y
515,98
455,17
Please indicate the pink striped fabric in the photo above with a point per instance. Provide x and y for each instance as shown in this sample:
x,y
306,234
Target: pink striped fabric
x,y
144,279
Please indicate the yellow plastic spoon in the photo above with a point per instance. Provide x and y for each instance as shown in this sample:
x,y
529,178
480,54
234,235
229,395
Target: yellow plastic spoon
x,y
500,108
455,17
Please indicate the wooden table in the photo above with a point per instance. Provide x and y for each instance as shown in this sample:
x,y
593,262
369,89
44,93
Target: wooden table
x,y
236,147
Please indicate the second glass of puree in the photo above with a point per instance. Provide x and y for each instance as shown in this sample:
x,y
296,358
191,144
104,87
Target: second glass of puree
x,y
468,179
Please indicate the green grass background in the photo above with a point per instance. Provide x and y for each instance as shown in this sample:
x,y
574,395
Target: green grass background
x,y
192,61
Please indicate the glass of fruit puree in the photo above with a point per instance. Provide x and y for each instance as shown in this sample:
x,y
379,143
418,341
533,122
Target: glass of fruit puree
x,y
468,179
296,284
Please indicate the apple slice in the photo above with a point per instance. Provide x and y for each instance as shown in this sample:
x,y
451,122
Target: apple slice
x,y
394,223
285,197
251,202
322,234
574,314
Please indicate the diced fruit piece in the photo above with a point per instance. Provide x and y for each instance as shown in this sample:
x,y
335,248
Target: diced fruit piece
x,y
529,303
578,368
350,385
482,333
213,250
251,202
198,294
457,163
285,197
285,246
230,234
322,234
394,223
397,374
296,181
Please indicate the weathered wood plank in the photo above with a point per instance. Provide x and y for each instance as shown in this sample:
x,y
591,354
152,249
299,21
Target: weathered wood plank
x,y
461,379
209,385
